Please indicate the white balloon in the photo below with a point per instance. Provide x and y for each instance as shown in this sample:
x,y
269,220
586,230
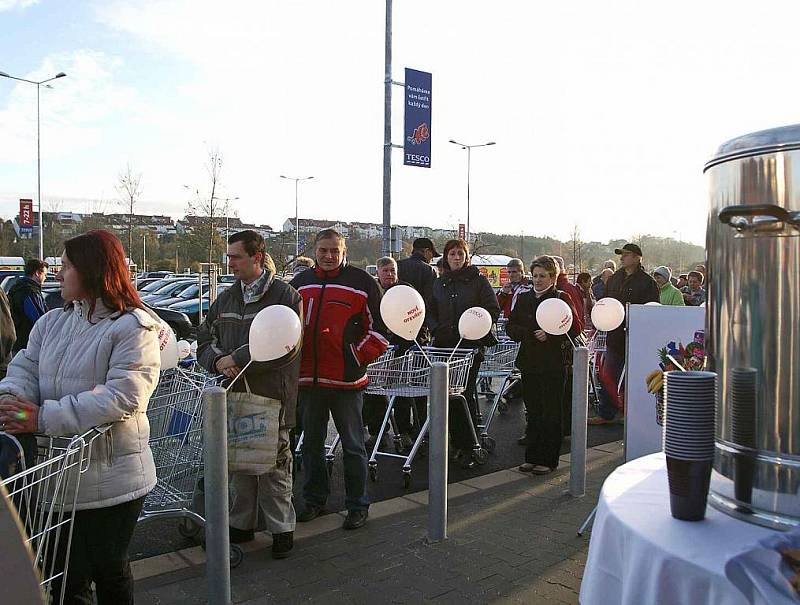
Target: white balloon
x,y
403,311
652,303
193,348
608,314
275,331
554,316
474,323
184,349
168,347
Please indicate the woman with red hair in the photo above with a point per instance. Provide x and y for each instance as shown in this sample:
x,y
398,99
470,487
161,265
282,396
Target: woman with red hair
x,y
96,361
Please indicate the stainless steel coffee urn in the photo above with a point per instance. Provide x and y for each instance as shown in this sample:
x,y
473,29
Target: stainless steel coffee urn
x,y
753,325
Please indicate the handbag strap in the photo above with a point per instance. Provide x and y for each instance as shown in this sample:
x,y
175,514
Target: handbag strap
x,y
247,385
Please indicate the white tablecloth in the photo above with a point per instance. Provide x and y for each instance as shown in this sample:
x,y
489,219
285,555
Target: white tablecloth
x,y
639,554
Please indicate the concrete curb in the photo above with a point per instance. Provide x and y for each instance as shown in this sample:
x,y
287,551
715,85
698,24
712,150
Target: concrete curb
x,y
194,556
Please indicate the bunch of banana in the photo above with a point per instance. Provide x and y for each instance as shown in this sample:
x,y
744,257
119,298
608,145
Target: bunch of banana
x,y
654,380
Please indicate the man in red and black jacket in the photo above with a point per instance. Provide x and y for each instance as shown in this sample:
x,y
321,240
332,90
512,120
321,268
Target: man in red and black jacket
x,y
342,335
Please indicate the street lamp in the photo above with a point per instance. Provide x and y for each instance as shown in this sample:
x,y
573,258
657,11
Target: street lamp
x,y
38,84
296,216
227,201
469,161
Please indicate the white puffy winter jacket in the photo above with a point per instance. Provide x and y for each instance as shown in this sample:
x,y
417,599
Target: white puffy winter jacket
x,y
84,374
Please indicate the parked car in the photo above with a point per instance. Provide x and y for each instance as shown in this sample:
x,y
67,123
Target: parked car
x,y
7,279
153,286
141,282
158,274
176,320
192,307
160,283
49,284
169,291
188,294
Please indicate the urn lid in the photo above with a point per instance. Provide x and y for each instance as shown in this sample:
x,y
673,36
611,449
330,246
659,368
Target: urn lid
x,y
785,138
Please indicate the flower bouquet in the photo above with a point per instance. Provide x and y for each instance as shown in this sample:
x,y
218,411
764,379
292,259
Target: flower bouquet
x,y
675,357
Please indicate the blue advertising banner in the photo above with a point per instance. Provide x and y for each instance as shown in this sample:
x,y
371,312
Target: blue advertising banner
x,y
417,129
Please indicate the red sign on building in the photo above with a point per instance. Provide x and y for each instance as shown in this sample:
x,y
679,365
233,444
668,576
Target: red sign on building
x,y
26,213
462,231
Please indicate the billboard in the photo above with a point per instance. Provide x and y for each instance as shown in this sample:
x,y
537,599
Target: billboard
x,y
25,216
497,275
417,123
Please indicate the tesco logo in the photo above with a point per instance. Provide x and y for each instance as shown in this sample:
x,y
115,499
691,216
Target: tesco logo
x,y
419,159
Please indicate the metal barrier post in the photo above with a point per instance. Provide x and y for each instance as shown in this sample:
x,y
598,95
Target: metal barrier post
x,y
215,459
580,405
437,451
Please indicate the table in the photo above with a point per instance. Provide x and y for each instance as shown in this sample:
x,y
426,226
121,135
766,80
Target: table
x,y
640,555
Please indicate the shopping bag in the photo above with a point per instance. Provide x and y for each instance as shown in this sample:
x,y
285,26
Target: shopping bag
x,y
253,423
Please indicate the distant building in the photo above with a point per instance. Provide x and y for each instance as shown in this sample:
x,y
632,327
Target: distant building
x,y
225,225
363,230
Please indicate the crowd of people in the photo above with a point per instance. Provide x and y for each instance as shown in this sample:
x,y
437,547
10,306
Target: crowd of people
x,y
95,360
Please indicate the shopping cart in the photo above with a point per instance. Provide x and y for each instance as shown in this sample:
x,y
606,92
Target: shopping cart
x,y
597,349
44,496
408,375
498,362
330,452
175,412
485,382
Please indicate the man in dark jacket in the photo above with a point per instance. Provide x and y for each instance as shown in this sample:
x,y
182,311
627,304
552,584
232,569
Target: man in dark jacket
x,y
630,284
223,349
343,334
27,304
416,269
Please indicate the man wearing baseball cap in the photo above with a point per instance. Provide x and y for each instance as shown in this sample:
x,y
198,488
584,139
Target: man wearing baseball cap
x,y
630,284
416,269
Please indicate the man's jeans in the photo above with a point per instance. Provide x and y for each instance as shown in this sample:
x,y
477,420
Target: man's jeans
x,y
316,404
609,395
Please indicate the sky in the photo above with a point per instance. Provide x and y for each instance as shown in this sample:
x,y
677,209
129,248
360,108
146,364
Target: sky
x,y
604,113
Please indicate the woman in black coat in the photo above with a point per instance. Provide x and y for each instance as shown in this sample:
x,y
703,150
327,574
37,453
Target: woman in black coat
x,y
541,360
460,287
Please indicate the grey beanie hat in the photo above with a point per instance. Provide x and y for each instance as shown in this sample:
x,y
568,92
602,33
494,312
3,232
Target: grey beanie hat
x,y
663,272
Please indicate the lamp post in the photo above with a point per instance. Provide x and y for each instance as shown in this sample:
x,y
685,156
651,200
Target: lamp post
x,y
227,201
296,214
38,84
469,161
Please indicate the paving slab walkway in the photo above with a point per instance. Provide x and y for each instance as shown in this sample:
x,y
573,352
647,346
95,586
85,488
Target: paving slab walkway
x,y
511,539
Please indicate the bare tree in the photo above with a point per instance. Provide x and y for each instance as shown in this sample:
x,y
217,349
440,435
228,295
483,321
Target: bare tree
x,y
206,203
97,206
129,188
577,249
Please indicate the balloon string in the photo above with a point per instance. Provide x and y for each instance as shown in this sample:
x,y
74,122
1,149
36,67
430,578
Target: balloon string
x,y
424,354
240,374
574,346
455,349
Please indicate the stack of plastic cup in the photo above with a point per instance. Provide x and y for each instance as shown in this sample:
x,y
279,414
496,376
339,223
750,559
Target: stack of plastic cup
x,y
742,394
689,441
